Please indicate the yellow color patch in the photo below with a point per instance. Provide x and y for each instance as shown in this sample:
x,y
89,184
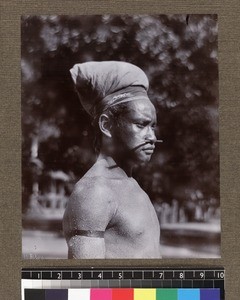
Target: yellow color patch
x,y
144,294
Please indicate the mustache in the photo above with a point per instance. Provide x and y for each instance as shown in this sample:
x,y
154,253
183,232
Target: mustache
x,y
150,142
142,144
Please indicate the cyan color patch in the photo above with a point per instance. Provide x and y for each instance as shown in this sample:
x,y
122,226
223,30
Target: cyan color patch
x,y
189,294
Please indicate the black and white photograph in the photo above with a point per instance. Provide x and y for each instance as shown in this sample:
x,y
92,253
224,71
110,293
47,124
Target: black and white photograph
x,y
120,136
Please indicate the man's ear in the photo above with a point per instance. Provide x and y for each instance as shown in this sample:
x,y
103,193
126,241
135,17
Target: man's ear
x,y
105,125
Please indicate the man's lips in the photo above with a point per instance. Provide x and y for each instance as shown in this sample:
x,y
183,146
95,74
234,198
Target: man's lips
x,y
148,149
144,147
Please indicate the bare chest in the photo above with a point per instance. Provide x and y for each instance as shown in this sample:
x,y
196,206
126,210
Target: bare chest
x,y
135,216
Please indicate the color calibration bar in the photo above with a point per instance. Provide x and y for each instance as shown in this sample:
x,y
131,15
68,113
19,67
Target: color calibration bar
x,y
176,284
122,294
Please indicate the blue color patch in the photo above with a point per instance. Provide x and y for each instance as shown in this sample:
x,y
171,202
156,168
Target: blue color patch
x,y
54,294
188,294
210,294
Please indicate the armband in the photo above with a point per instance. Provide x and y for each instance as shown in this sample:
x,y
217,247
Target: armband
x,y
88,233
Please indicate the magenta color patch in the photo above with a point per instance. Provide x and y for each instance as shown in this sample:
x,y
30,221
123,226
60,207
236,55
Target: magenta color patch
x,y
101,294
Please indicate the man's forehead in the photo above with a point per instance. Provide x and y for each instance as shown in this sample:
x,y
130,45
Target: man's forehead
x,y
142,109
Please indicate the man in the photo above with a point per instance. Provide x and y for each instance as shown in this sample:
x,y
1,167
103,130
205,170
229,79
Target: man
x,y
108,214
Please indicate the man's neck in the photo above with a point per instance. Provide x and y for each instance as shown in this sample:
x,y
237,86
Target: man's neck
x,y
123,167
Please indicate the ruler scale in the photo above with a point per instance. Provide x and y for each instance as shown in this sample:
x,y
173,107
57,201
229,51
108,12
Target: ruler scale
x,y
142,284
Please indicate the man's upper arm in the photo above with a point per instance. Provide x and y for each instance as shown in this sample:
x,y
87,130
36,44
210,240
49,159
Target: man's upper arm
x,y
87,216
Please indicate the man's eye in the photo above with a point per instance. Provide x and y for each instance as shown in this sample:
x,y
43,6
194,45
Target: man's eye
x,y
154,127
140,125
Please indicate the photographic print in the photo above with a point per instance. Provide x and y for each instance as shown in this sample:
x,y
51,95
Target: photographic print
x,y
120,136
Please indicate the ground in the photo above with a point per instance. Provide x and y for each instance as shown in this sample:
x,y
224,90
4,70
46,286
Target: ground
x,y
45,244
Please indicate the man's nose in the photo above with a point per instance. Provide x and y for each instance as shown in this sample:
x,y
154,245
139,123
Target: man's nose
x,y
151,135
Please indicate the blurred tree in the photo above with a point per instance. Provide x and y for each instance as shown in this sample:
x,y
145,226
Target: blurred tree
x,y
180,60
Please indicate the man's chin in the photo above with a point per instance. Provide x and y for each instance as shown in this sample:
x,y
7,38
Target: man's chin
x,y
137,160
144,160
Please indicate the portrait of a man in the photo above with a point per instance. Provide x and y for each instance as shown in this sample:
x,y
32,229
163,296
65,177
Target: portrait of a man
x,y
108,214
120,136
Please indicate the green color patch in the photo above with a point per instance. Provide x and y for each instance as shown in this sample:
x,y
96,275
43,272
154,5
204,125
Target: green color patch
x,y
167,294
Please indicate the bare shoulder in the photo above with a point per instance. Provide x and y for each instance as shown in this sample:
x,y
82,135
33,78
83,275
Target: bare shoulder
x,y
91,205
92,190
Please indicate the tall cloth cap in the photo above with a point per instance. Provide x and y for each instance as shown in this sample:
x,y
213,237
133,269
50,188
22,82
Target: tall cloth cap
x,y
101,85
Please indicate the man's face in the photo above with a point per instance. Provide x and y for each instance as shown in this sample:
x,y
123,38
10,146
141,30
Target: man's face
x,y
134,135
